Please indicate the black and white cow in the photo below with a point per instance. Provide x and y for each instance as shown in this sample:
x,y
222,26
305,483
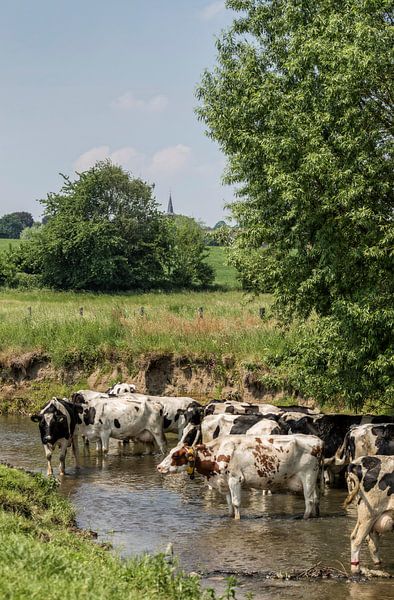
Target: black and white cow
x,y
234,407
275,462
121,388
57,424
213,426
122,418
371,480
365,440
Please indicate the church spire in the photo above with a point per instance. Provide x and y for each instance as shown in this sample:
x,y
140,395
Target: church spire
x,y
170,208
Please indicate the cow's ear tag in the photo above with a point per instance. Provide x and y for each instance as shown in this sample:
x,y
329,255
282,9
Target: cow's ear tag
x,y
189,470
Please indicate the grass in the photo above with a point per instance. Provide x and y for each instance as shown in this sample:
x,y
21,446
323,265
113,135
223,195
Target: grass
x,y
112,327
6,243
43,556
225,275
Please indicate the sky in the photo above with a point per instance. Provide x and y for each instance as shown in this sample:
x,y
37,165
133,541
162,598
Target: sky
x,y
83,80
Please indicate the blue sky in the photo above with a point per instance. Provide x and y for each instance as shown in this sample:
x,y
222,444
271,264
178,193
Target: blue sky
x,y
82,80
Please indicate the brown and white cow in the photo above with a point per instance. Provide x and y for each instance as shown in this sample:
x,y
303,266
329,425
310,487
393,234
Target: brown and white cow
x,y
233,462
370,479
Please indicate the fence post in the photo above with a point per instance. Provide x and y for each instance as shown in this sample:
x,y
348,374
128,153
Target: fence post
x,y
81,311
201,312
261,312
29,311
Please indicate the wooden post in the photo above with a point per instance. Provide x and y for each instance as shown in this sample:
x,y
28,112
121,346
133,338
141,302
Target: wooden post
x,y
201,312
29,311
261,312
81,311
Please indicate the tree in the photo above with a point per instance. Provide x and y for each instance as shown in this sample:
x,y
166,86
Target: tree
x,y
301,102
186,265
103,232
12,224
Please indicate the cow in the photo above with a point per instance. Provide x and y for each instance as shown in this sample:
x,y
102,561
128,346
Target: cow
x,y
213,426
57,424
370,479
122,418
365,440
233,407
121,388
276,462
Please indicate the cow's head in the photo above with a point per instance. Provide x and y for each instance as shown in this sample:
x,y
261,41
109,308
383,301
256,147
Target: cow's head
x,y
178,460
121,388
54,422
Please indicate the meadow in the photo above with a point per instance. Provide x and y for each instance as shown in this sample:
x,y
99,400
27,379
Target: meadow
x,y
92,328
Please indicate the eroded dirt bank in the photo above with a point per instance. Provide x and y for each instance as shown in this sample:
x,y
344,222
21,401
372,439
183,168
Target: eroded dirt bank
x,y
28,380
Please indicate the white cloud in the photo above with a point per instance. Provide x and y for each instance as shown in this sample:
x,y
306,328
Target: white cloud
x,y
89,158
213,9
128,101
127,157
165,162
170,160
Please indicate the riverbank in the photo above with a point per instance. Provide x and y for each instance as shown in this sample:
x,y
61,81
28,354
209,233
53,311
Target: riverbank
x,y
43,554
201,344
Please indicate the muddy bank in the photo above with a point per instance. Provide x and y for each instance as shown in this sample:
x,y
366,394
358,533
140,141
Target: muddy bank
x,y
26,380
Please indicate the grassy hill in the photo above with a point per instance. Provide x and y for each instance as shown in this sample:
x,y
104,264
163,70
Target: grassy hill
x,y
225,275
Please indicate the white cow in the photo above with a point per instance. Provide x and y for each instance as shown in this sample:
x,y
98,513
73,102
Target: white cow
x,y
277,462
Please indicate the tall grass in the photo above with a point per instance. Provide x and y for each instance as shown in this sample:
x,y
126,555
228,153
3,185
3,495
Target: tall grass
x,y
115,327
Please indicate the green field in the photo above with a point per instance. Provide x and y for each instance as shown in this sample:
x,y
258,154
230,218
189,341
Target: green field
x,y
225,275
5,244
43,556
113,328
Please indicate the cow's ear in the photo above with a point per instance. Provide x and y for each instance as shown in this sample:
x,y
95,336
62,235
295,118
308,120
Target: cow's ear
x,y
35,418
77,398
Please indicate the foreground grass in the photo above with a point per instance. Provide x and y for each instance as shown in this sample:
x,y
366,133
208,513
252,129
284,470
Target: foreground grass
x,y
42,556
118,328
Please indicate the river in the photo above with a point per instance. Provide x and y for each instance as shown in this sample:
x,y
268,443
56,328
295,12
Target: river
x,y
128,503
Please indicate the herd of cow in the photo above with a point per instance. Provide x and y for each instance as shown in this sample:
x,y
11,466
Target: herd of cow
x,y
237,445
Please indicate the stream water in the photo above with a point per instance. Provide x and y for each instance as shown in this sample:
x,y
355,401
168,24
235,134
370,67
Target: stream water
x,y
128,503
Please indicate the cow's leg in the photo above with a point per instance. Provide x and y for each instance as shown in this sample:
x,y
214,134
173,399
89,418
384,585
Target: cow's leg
x,y
229,504
235,487
359,533
161,441
63,452
105,435
48,454
99,446
311,494
373,545
74,445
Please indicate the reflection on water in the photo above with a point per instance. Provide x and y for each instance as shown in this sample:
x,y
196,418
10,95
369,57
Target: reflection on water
x,y
129,503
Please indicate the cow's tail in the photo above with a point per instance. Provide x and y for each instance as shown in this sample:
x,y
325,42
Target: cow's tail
x,y
353,484
340,455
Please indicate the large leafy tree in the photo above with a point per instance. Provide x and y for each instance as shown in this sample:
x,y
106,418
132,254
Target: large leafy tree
x,y
187,266
301,102
12,224
103,232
